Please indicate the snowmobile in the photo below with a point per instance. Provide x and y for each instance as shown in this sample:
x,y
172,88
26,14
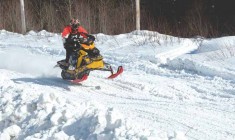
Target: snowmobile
x,y
82,61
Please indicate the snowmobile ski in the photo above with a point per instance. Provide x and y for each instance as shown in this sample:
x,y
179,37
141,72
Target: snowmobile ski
x,y
114,75
76,81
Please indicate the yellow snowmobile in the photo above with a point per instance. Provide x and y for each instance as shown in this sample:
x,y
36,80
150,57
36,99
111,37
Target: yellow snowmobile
x,y
84,60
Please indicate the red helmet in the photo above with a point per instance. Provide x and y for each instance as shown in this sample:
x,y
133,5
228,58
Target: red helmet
x,y
74,23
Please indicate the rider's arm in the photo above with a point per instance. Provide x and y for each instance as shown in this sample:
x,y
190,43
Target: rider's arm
x,y
66,32
82,31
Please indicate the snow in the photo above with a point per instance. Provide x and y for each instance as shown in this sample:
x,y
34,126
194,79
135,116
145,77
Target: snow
x,y
171,88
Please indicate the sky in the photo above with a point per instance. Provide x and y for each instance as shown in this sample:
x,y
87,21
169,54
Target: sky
x,y
171,88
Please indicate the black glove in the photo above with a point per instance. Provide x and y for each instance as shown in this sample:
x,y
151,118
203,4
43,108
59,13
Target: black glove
x,y
87,41
91,37
90,41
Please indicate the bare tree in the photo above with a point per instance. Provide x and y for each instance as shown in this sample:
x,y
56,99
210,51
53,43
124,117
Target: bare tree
x,y
22,17
137,14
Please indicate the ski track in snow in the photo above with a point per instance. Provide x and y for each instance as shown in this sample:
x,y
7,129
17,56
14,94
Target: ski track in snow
x,y
159,97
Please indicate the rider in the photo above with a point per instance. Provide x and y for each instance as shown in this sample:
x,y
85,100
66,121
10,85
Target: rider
x,y
72,35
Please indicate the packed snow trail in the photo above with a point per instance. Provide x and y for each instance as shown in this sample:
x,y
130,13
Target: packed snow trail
x,y
165,92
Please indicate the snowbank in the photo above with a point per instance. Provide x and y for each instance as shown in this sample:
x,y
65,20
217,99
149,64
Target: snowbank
x,y
214,58
26,114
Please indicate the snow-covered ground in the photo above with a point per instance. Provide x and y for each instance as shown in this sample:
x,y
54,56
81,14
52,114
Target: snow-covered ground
x,y
171,88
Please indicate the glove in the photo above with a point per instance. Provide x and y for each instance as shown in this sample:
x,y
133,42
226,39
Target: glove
x,y
86,41
90,41
91,37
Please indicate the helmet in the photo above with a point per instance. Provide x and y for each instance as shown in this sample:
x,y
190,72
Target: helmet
x,y
74,23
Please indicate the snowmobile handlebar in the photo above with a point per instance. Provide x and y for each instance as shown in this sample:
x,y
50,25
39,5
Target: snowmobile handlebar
x,y
86,41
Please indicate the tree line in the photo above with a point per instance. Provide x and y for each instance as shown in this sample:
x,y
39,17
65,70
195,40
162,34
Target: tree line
x,y
187,18
184,18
